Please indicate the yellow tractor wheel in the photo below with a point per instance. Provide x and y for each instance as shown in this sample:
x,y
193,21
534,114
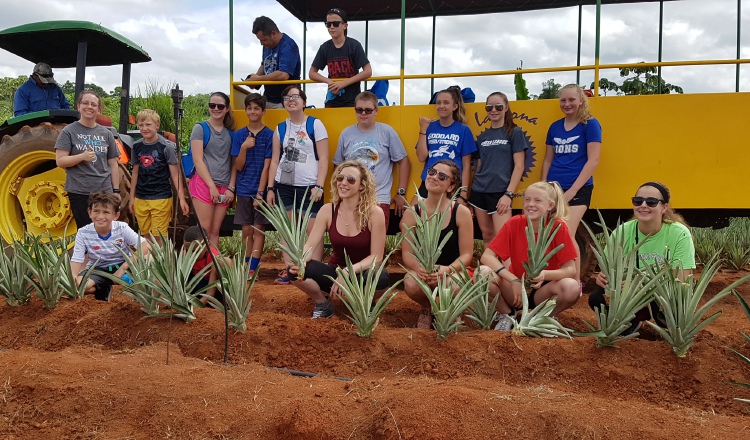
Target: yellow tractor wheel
x,y
32,194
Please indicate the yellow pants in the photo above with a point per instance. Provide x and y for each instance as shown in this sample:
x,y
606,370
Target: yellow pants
x,y
153,216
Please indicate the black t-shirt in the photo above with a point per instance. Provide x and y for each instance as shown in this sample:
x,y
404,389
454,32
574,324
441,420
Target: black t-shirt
x,y
343,62
153,168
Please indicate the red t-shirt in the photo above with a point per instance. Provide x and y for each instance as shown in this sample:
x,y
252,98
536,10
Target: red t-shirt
x,y
511,243
205,261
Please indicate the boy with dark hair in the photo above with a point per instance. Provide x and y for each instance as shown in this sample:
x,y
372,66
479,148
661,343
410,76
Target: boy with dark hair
x,y
344,57
281,60
102,240
252,148
154,161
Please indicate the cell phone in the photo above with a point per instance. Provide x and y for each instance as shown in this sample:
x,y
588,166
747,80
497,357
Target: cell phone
x,y
221,198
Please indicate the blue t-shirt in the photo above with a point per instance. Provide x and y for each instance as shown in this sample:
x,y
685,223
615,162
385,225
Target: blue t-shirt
x,y
571,150
284,57
249,178
32,98
452,143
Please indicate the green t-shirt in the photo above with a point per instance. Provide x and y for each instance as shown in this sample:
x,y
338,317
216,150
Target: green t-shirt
x,y
672,241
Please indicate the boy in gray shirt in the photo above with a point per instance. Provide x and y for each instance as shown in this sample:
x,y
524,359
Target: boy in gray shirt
x,y
378,147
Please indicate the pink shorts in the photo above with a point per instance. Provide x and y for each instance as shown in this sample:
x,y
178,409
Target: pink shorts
x,y
200,191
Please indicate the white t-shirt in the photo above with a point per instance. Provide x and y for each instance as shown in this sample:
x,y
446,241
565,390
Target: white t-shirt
x,y
297,164
104,249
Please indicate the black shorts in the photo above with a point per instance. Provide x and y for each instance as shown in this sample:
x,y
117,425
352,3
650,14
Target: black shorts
x,y
485,201
102,285
297,197
583,196
246,214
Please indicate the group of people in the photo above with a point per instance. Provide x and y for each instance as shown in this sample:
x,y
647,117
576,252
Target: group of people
x,y
462,176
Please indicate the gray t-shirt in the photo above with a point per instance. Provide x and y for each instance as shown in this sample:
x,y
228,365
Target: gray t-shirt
x,y
88,177
217,155
377,149
496,150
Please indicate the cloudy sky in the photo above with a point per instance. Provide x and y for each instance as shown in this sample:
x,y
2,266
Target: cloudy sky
x,y
189,42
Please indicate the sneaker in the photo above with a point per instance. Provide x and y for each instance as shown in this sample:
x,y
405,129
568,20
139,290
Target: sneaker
x,y
425,320
634,326
283,278
250,274
504,323
323,310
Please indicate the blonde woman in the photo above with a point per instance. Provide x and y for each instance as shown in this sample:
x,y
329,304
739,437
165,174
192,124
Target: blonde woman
x,y
510,247
573,147
355,226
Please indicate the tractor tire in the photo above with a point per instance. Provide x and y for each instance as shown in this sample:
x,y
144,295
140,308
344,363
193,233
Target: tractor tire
x,y
588,260
32,195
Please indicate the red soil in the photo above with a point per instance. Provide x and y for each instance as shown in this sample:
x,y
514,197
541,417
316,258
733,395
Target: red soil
x,y
93,370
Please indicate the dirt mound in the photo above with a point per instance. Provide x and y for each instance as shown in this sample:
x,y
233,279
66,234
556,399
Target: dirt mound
x,y
101,370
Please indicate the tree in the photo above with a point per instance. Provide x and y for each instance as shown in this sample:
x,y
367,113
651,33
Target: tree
x,y
644,81
8,87
550,90
69,89
522,93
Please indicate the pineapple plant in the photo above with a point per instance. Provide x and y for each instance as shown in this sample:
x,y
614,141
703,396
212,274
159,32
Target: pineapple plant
x,y
746,359
14,284
292,229
538,322
236,290
537,251
424,237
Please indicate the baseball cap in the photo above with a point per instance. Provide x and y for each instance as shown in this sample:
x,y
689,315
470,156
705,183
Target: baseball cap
x,y
340,12
44,72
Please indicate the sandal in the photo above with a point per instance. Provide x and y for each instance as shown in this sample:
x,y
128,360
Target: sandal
x,y
425,320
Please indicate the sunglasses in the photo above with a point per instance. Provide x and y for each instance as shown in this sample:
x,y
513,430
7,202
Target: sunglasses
x,y
498,107
349,179
651,202
212,106
367,111
335,24
441,176
290,98
46,75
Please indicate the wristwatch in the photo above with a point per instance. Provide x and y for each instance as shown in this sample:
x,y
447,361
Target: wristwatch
x,y
509,194
401,191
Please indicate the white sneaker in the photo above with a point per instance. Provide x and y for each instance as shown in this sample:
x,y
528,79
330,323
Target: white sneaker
x,y
504,323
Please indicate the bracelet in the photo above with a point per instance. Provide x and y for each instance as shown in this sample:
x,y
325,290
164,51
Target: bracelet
x,y
319,187
270,189
261,193
229,188
500,270
423,133
116,190
463,190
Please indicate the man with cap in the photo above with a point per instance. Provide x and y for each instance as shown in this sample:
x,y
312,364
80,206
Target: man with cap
x,y
40,92
281,60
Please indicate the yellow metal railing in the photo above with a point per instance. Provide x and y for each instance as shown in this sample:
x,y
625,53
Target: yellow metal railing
x,y
595,67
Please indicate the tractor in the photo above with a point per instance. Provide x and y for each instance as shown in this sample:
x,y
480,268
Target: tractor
x,y
32,195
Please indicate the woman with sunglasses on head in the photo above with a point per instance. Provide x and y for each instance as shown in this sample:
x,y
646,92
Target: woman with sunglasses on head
x,y
504,257
441,183
573,147
500,155
448,137
663,236
299,163
212,186
344,57
355,226
89,154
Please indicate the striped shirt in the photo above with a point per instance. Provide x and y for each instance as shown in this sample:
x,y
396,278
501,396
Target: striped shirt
x,y
104,248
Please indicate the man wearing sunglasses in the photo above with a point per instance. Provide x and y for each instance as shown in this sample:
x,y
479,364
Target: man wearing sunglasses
x,y
344,57
377,146
281,60
40,92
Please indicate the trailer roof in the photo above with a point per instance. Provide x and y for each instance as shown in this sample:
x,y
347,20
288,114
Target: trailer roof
x,y
56,43
315,10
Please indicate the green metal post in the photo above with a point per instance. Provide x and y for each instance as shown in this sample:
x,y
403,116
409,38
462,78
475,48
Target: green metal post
x,y
367,37
596,48
578,59
661,34
231,52
432,66
403,48
739,20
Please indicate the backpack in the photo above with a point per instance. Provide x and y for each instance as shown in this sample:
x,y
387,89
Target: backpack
x,y
309,126
188,165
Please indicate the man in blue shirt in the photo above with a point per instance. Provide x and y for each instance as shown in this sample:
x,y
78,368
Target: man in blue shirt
x,y
40,92
281,60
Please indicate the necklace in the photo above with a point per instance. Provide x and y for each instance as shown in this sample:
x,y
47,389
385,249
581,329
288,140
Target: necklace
x,y
344,220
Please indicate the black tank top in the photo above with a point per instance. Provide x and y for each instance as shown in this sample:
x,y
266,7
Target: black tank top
x,y
450,251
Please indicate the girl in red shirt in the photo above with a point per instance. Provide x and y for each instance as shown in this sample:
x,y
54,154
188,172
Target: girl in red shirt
x,y
508,250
